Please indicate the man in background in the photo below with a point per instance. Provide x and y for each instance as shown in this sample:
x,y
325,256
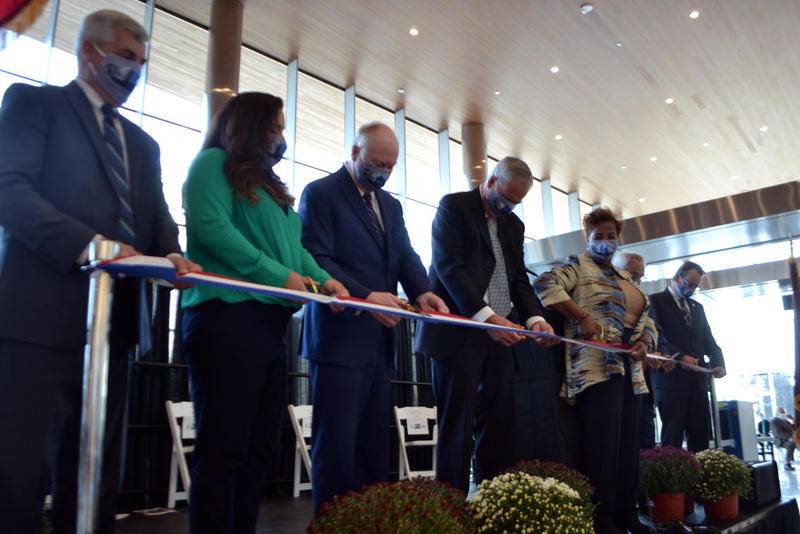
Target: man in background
x,y
782,427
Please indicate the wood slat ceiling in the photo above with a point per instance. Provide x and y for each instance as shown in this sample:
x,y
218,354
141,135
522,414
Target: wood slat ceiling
x,y
730,71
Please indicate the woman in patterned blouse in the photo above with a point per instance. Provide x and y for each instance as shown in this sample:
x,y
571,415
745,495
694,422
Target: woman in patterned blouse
x,y
602,303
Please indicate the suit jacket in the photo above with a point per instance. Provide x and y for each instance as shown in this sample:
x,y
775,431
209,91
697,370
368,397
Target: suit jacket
x,y
674,335
338,231
56,194
462,267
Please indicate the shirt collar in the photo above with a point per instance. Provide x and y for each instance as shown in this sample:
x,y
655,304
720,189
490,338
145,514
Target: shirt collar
x,y
352,170
678,298
94,97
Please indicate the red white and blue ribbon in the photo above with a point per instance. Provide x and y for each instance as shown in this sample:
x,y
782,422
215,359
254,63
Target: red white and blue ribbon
x,y
163,269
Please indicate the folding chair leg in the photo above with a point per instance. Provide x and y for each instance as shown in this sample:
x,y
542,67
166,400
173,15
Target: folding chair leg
x,y
173,480
296,485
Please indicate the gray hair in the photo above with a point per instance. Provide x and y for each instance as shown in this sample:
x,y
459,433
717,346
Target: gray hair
x,y
510,168
98,27
366,129
621,259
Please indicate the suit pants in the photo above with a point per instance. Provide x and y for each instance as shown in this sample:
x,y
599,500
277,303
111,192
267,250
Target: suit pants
x,y
684,412
647,423
350,425
41,393
475,398
237,364
609,413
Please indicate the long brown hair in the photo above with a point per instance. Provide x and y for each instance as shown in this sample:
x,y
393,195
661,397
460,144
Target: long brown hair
x,y
243,130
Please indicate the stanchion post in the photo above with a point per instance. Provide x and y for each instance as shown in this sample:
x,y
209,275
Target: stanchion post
x,y
95,383
715,414
795,280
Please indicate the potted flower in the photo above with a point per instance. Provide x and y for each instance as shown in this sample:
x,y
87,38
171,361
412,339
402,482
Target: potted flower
x,y
723,478
560,472
667,475
520,502
416,506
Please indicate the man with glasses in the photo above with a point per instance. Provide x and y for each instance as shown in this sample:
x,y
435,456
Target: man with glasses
x,y
682,394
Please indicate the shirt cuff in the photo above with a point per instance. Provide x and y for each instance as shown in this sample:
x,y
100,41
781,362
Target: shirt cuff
x,y
84,257
533,320
483,314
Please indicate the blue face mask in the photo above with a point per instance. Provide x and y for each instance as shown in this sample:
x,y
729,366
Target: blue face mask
x,y
602,249
117,76
685,289
370,176
276,151
498,204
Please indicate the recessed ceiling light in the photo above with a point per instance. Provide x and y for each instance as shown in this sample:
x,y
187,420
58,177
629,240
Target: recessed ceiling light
x,y
623,167
653,159
764,128
497,93
619,43
413,32
554,69
642,199
558,137
734,177
706,144
587,8
694,14
669,100
401,91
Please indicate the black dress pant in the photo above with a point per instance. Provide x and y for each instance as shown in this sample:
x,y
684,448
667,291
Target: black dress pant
x,y
41,394
475,397
237,364
684,413
609,413
647,423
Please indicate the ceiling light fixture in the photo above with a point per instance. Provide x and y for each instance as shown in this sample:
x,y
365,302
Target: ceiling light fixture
x,y
619,43
623,167
587,8
413,32
642,199
734,177
764,128
694,14
554,69
401,91
653,159
706,144
669,100
558,137
497,93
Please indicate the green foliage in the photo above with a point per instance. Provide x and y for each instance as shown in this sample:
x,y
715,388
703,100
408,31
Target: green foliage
x,y
721,474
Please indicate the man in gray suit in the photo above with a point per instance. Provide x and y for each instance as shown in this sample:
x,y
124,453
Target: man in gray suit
x,y
72,170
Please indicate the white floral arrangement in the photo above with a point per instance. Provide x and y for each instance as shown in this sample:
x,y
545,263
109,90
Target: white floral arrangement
x,y
522,503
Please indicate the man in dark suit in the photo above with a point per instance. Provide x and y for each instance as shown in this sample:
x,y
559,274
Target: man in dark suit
x,y
72,170
478,269
356,232
682,394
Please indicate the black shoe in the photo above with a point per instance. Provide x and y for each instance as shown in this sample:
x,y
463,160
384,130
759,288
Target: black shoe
x,y
789,467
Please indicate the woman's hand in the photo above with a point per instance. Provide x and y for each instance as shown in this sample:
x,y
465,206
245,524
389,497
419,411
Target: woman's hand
x,y
334,288
638,351
588,327
296,282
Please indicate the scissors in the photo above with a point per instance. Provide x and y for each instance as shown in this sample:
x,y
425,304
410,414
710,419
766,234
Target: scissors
x,y
312,284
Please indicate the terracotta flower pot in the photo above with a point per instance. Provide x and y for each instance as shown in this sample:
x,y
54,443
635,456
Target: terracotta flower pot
x,y
667,507
689,504
725,508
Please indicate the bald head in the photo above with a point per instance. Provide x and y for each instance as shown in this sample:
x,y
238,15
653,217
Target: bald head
x,y
377,145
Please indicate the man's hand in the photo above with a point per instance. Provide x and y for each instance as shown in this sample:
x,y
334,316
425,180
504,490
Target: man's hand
x,y
545,328
295,282
126,251
638,351
719,372
182,267
588,327
334,288
431,302
688,360
507,339
386,299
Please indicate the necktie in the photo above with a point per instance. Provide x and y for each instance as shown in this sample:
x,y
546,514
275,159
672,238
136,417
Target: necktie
x,y
373,217
498,292
119,174
687,312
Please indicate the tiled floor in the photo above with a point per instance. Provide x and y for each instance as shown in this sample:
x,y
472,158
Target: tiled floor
x,y
291,516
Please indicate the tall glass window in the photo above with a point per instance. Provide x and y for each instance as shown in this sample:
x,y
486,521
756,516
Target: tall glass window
x,y
422,164
419,220
320,125
458,182
533,213
26,55
257,72
561,219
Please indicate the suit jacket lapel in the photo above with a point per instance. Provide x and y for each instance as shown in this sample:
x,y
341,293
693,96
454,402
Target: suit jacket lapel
x,y
383,205
89,121
480,217
351,193
134,164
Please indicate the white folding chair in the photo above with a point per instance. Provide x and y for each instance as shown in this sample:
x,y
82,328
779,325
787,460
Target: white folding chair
x,y
181,424
301,423
416,424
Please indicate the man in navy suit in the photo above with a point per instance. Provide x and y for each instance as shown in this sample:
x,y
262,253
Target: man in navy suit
x,y
356,232
72,170
478,268
681,395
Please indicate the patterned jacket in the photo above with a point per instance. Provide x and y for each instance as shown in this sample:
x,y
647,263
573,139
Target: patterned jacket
x,y
596,289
